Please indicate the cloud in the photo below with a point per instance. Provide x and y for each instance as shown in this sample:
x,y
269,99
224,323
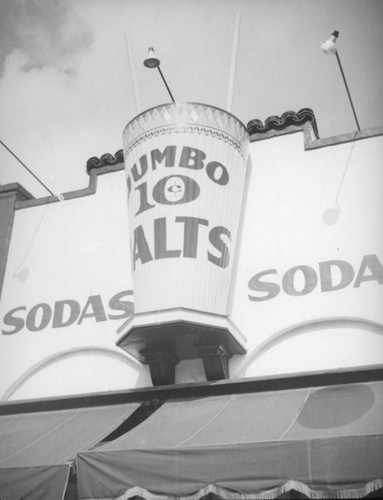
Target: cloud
x,y
45,33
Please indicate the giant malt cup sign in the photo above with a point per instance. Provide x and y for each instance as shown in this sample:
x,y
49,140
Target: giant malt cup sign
x,y
186,167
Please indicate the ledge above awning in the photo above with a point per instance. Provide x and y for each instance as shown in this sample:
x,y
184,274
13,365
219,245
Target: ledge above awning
x,y
325,442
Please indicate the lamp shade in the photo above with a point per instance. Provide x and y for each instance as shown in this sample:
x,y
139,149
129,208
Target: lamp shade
x,y
329,45
151,61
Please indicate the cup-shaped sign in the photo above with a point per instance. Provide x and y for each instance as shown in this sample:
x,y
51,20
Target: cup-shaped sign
x,y
186,167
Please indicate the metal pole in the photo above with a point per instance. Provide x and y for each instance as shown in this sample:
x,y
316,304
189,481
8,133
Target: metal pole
x,y
166,85
233,61
132,71
348,92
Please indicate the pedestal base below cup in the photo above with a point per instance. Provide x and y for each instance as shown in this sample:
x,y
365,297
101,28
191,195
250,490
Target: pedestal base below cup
x,y
162,339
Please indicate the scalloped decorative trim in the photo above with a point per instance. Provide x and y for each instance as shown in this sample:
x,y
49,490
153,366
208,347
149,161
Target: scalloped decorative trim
x,y
225,494
279,123
104,160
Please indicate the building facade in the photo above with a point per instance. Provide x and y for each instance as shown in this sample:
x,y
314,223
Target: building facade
x,y
305,296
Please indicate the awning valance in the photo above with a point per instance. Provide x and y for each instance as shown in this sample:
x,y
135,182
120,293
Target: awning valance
x,y
36,448
325,442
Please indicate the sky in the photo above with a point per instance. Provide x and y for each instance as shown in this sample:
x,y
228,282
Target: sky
x,y
66,85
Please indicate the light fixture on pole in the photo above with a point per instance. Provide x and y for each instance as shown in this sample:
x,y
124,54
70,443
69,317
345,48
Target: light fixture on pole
x,y
329,47
153,62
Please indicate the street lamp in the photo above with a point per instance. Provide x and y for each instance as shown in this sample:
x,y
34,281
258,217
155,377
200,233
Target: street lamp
x,y
153,62
329,47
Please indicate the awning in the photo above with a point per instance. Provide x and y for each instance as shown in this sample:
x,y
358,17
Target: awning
x,y
325,442
36,448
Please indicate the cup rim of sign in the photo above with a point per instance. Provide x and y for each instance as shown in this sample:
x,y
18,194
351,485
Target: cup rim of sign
x,y
180,103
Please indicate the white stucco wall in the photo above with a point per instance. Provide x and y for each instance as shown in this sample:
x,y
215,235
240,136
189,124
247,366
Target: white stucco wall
x,y
70,250
288,224
79,248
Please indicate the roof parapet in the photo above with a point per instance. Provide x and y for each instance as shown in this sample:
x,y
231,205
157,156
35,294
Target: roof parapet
x,y
288,123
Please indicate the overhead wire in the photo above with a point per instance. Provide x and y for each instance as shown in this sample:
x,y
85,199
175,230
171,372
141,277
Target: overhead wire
x,y
59,196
